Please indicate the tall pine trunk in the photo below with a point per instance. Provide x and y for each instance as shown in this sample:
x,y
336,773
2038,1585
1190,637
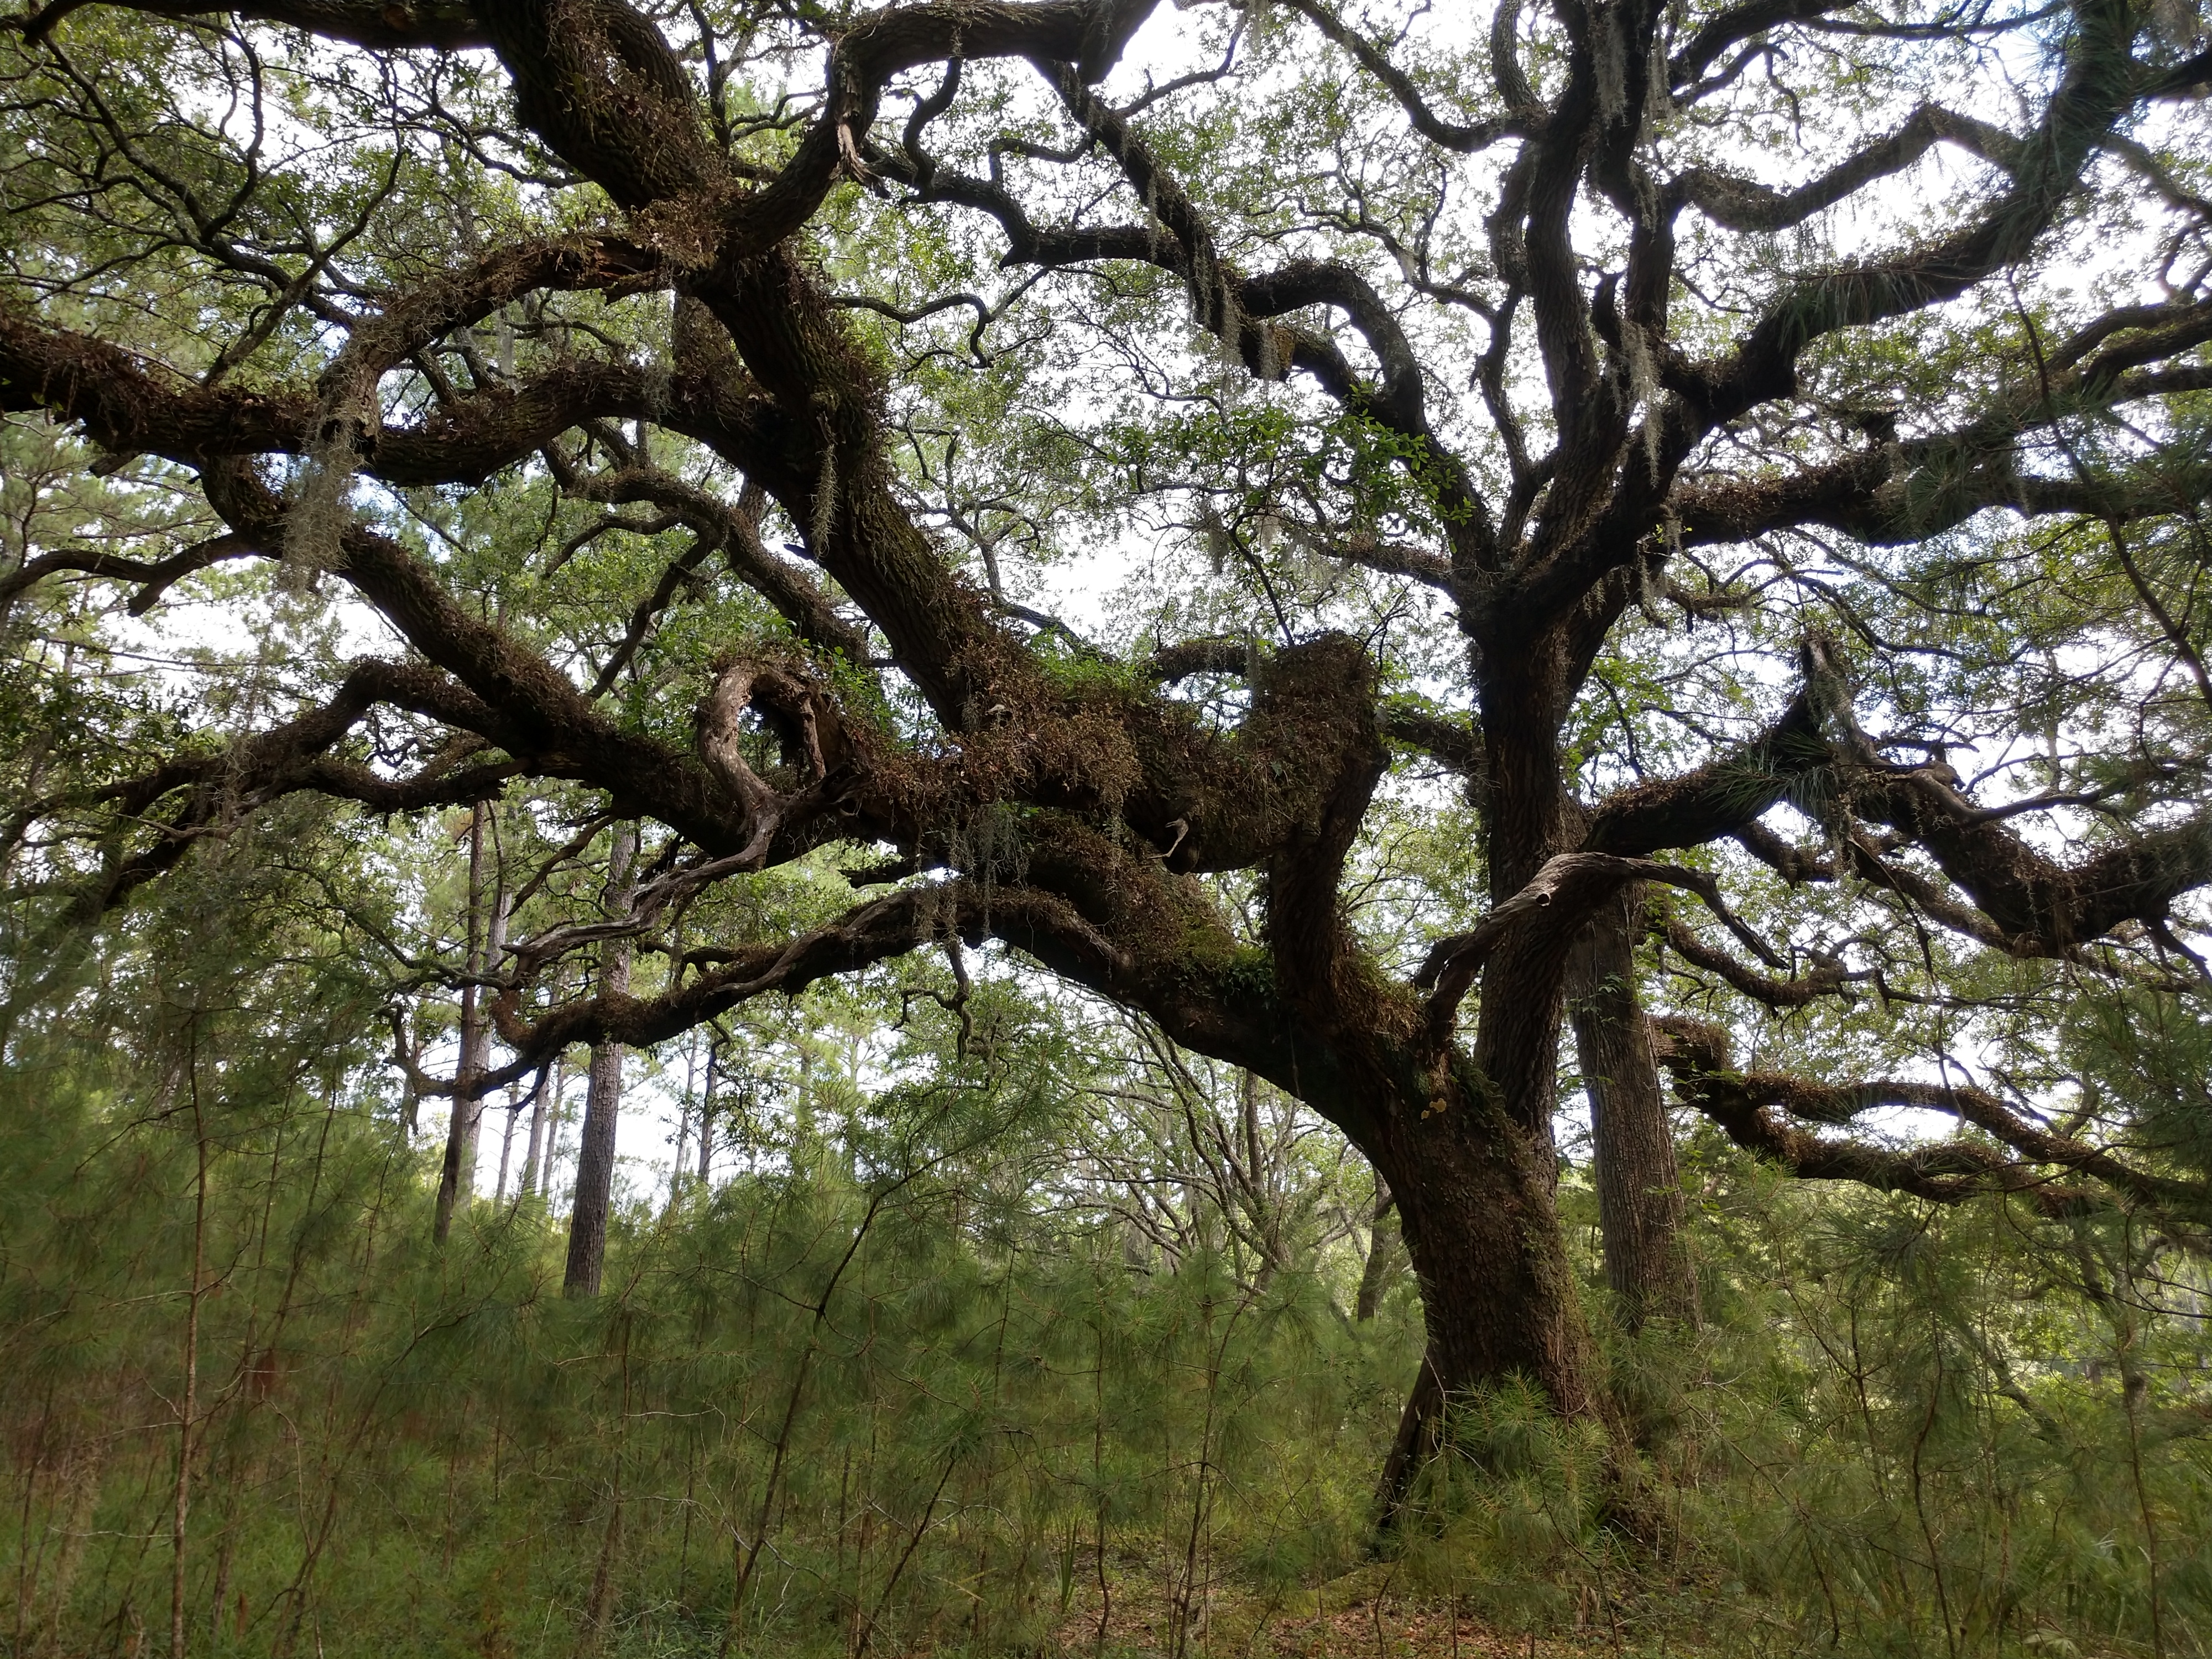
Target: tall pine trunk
x,y
533,1159
457,1177
676,1172
505,1150
707,1122
595,1155
1382,1248
1639,1194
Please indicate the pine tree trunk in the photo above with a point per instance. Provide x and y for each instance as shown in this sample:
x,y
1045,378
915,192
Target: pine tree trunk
x,y
506,1150
533,1162
1639,1194
707,1123
556,1121
676,1170
457,1177
411,1100
595,1155
1382,1246
457,1180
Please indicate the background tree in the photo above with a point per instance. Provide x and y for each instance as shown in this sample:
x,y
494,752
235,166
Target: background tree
x,y
595,1157
708,437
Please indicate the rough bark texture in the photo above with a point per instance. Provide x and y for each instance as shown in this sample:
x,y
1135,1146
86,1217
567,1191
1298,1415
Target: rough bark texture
x,y
707,1121
1640,1194
457,1175
533,1162
1499,1297
595,1152
1384,1246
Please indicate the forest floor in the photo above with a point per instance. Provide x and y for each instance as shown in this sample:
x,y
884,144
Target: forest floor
x,y
1356,1616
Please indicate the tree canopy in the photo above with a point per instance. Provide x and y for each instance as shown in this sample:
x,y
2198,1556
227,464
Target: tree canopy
x,y
1365,538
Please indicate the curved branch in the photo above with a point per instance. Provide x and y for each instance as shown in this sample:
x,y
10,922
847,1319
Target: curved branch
x,y
1236,308
1741,23
1717,799
866,934
1464,137
1565,893
1453,741
2098,88
681,570
1828,979
1895,492
126,409
529,707
736,531
221,787
433,25
1745,1105
153,577
1739,203
2043,907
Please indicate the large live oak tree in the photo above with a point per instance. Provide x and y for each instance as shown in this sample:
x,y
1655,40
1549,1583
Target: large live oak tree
x,y
1635,350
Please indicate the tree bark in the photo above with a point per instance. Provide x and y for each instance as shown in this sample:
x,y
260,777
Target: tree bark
x,y
1474,1193
556,1121
1464,1138
533,1162
409,1033
1382,1248
707,1123
1639,1194
457,1177
1469,1154
1482,1229
676,1170
595,1155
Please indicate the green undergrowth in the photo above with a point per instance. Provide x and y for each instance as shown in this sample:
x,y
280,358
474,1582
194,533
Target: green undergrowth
x,y
869,1398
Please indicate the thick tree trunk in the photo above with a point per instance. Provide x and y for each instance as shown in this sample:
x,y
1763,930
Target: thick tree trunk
x,y
1640,1194
1474,1193
595,1155
1474,1165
